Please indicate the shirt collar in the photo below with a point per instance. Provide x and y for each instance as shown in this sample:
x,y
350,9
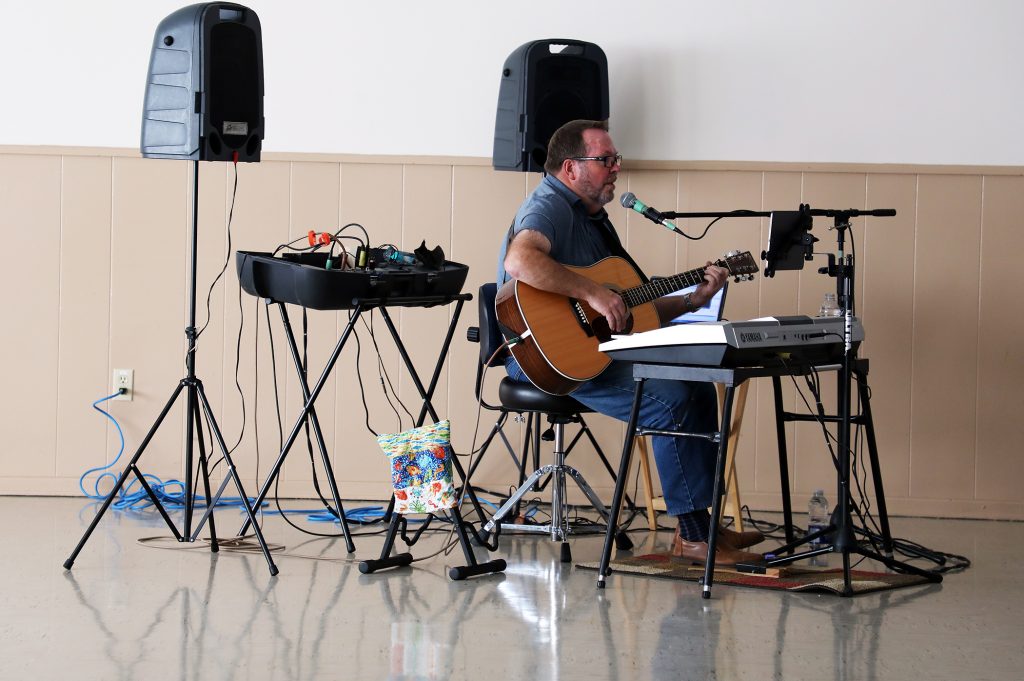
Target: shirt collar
x,y
572,197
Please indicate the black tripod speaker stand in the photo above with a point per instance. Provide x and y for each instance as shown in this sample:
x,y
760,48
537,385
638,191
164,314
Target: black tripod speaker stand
x,y
195,397
840,531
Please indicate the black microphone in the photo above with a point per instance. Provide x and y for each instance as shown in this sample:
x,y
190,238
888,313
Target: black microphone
x,y
629,200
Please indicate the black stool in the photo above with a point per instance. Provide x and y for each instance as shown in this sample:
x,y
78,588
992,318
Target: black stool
x,y
558,410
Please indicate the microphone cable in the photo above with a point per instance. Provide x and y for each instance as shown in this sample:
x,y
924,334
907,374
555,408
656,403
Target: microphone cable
x,y
733,214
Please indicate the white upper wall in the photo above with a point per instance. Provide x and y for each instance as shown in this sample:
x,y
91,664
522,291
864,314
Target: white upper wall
x,y
875,81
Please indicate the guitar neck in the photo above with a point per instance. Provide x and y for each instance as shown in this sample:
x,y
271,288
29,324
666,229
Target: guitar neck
x,y
645,293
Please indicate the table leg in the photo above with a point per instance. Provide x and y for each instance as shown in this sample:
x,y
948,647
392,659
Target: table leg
x,y
620,484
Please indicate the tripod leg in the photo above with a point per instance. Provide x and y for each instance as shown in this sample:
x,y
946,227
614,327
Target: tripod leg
x,y
386,560
780,435
472,567
495,430
208,515
513,501
876,473
124,476
622,540
630,504
204,469
233,473
528,441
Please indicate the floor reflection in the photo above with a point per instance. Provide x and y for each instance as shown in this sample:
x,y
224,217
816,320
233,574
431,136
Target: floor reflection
x,y
128,611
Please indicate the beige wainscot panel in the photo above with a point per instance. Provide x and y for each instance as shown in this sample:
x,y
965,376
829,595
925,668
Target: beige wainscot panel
x,y
427,218
260,224
885,277
212,364
484,202
777,296
715,191
1000,350
85,439
372,196
945,367
313,206
151,223
30,207
812,463
651,246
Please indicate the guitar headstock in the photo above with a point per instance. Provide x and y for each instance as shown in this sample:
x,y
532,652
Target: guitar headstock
x,y
741,266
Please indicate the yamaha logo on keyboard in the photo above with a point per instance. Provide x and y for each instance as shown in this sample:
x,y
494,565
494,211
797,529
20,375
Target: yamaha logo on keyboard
x,y
750,337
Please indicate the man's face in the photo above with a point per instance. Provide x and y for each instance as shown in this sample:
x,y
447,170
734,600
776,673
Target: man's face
x,y
594,182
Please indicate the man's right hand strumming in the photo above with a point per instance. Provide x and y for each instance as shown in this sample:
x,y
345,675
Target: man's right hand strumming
x,y
609,304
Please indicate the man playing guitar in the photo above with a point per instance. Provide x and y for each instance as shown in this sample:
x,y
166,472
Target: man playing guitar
x,y
563,222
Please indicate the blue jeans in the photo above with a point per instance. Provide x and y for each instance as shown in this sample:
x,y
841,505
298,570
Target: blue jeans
x,y
686,465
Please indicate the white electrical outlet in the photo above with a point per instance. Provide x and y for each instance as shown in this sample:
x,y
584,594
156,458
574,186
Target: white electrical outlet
x,y
124,378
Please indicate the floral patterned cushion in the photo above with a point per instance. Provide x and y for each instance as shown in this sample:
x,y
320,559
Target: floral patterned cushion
x,y
421,468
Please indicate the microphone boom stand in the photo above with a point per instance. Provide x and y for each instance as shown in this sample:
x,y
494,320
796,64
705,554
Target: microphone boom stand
x,y
840,530
196,396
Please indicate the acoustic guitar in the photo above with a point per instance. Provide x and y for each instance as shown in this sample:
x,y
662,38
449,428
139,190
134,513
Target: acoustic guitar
x,y
558,336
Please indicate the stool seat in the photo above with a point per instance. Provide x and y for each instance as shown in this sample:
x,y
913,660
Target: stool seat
x,y
520,396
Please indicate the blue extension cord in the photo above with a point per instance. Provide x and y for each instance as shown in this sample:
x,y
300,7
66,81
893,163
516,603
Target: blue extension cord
x,y
139,500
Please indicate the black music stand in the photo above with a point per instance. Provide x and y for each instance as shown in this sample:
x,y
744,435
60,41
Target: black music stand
x,y
196,396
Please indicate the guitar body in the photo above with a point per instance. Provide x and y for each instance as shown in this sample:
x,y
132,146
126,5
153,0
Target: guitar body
x,y
561,352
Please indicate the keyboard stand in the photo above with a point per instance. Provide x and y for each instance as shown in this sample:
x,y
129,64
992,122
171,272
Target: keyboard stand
x,y
310,395
731,379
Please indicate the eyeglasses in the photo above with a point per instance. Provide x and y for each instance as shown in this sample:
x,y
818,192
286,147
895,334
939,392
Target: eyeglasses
x,y
609,161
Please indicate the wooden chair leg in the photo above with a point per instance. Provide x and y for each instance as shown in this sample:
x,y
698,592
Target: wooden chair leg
x,y
733,505
640,452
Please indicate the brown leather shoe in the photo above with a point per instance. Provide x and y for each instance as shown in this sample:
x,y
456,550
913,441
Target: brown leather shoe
x,y
739,540
724,555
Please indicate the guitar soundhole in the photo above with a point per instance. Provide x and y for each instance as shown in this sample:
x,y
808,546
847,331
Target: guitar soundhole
x,y
604,333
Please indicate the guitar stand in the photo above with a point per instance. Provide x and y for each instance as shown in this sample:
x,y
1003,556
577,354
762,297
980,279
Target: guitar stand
x,y
399,524
193,425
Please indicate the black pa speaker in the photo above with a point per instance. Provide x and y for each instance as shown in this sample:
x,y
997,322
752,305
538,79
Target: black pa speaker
x,y
544,85
204,91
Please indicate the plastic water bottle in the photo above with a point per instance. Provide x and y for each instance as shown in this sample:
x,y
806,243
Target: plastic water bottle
x,y
818,516
829,306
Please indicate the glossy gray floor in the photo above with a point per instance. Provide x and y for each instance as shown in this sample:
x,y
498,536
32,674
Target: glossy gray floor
x,y
128,611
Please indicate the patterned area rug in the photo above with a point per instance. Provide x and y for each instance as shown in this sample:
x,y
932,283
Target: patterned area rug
x,y
828,580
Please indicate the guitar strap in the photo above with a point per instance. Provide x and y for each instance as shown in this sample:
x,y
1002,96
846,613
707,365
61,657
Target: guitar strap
x,y
605,228
508,242
611,239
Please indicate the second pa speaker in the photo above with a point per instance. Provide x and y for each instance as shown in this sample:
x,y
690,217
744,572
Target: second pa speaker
x,y
545,84
204,89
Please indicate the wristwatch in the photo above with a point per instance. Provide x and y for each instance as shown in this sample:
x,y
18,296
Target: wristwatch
x,y
688,301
